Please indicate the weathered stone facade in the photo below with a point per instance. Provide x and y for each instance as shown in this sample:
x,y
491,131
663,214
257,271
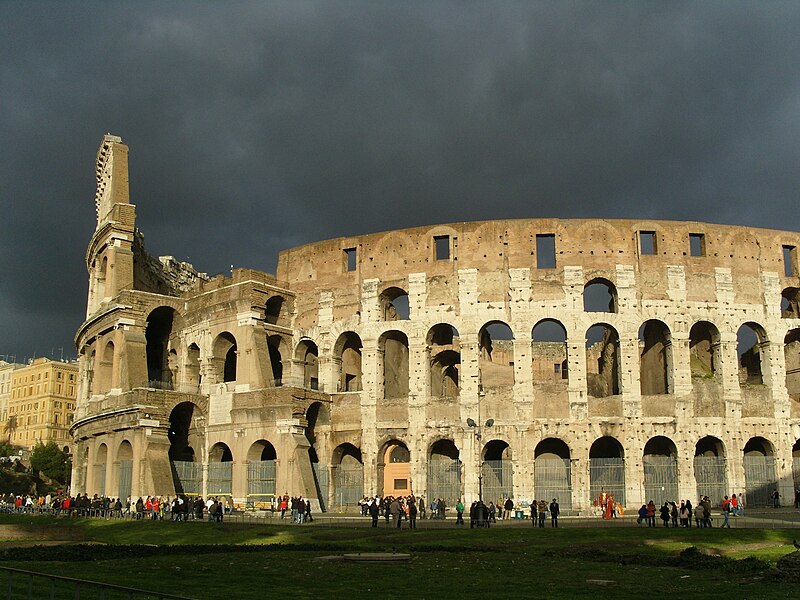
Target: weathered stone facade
x,y
530,358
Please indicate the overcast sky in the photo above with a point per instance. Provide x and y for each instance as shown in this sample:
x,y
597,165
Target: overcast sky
x,y
259,126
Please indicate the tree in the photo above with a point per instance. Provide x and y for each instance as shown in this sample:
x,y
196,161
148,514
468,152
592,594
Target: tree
x,y
50,460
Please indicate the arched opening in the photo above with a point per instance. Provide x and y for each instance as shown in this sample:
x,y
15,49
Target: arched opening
x,y
759,471
710,470
497,474
600,295
185,433
394,304
272,310
274,344
791,356
104,370
496,355
549,356
655,358
552,477
607,472
752,347
261,469
160,335
348,351
225,357
220,470
796,463
307,354
125,476
444,350
348,478
394,346
660,463
192,371
602,361
394,471
790,303
444,472
100,464
704,347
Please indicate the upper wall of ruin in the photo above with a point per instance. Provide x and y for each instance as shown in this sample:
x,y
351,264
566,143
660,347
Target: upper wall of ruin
x,y
655,251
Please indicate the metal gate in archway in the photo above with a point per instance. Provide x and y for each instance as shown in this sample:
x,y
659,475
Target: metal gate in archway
x,y
660,479
796,470
552,478
607,474
187,476
760,480
100,476
444,479
321,481
220,478
261,478
125,479
349,484
497,480
710,475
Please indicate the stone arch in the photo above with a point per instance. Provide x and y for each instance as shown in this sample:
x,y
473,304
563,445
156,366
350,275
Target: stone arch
x,y
660,462
347,351
759,471
796,463
704,349
497,472
277,349
496,355
444,355
124,470
106,370
272,309
655,358
444,472
307,356
600,295
394,471
225,357
710,469
607,471
549,352
348,478
753,350
393,358
552,476
261,472
100,469
602,361
220,470
161,335
790,303
191,372
791,357
186,423
394,304
318,420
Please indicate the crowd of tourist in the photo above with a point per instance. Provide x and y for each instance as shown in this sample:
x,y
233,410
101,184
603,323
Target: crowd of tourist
x,y
177,508
673,515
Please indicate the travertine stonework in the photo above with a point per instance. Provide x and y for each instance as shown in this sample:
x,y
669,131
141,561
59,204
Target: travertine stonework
x,y
529,358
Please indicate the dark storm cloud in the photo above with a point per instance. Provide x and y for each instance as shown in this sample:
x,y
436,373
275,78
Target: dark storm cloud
x,y
258,126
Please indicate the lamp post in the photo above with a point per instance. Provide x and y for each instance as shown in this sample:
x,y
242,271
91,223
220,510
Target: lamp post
x,y
477,430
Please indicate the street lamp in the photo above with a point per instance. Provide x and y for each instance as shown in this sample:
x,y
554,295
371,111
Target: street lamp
x,y
477,430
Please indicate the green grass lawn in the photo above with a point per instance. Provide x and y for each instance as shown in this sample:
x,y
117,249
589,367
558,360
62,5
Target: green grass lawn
x,y
234,561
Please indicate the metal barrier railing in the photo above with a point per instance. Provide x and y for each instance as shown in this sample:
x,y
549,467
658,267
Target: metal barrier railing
x,y
32,585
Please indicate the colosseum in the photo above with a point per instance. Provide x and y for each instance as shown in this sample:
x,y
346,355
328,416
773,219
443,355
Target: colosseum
x,y
530,358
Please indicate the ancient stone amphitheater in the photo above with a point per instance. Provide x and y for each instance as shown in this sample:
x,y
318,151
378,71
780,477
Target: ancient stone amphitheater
x,y
531,358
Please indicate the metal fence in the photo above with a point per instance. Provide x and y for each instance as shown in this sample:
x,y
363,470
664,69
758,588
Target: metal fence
x,y
760,479
187,477
660,478
444,479
29,585
220,478
125,479
321,480
261,477
552,479
796,470
607,474
710,475
497,477
348,484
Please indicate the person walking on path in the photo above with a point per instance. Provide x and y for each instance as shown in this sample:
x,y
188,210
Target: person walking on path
x,y
726,512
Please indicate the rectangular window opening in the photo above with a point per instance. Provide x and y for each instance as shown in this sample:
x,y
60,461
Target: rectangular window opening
x,y
546,251
647,242
790,261
350,256
401,484
697,244
442,248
